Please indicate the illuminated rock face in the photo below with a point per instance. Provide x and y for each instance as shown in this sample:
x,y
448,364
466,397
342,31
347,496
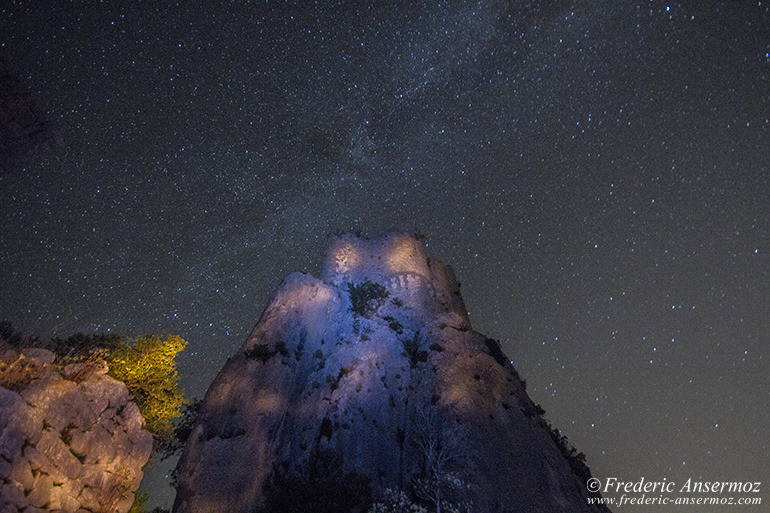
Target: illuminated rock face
x,y
314,376
350,258
426,287
68,442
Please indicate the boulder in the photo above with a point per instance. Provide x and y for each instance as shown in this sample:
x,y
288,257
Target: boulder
x,y
43,356
67,445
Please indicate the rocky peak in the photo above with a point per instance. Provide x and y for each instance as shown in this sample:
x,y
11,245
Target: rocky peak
x,y
397,261
366,364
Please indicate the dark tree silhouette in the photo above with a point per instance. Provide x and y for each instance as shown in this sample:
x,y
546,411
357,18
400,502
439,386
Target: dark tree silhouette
x,y
440,446
24,132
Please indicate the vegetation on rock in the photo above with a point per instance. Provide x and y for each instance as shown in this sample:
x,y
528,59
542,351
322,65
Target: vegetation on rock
x,y
395,501
146,365
413,351
366,297
148,369
140,505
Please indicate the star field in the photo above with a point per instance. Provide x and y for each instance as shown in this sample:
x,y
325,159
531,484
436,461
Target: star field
x,y
595,173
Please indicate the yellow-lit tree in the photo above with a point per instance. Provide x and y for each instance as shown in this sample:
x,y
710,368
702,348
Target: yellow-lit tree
x,y
148,369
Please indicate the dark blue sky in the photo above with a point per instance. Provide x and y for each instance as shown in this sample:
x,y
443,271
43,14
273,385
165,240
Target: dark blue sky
x,y
595,172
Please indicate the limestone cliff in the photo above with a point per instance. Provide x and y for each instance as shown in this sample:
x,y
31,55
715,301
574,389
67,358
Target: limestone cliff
x,y
70,438
369,362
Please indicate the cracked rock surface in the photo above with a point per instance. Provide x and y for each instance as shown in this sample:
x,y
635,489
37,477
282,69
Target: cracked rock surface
x,y
70,438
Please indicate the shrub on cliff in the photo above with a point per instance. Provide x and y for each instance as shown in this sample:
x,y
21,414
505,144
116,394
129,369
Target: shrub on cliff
x,y
148,369
395,501
366,297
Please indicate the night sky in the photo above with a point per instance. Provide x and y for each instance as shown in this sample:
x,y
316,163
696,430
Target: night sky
x,y
595,172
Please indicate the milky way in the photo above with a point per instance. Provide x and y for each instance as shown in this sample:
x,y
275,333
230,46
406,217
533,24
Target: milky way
x,y
596,174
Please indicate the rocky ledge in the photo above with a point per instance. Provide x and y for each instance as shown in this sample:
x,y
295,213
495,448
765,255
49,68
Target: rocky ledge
x,y
70,439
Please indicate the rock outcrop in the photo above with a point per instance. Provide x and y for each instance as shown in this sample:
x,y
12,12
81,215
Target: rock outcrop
x,y
70,438
377,363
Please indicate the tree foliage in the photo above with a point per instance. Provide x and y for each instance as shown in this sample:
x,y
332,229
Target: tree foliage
x,y
396,501
15,339
25,133
140,505
440,446
147,366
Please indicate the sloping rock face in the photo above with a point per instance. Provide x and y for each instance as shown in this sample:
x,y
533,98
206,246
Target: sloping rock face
x,y
372,372
70,439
